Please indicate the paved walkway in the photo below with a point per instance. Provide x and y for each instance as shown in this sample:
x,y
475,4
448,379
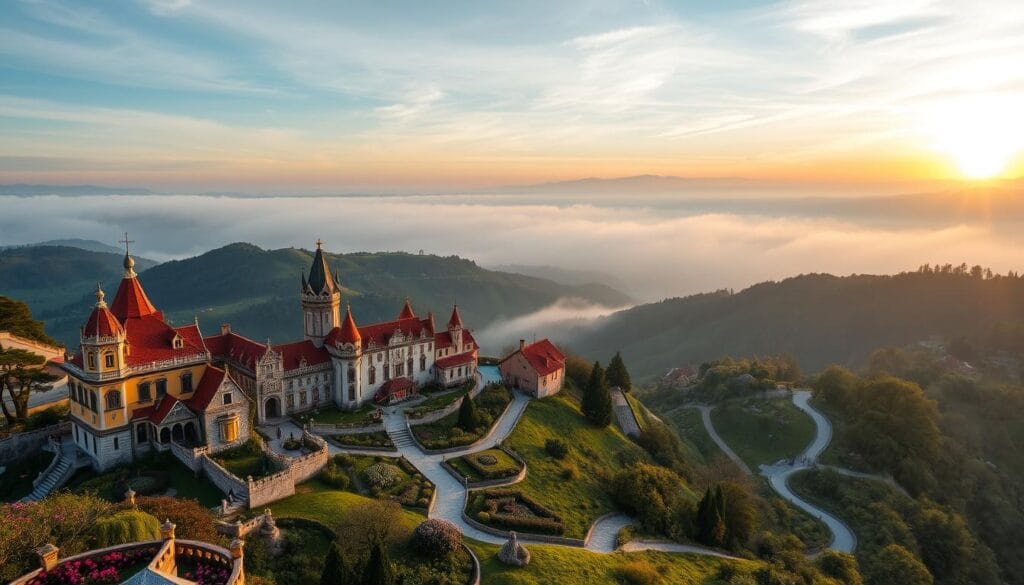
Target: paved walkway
x,y
624,414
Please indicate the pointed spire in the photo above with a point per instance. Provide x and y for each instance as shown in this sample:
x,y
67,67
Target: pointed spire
x,y
131,300
320,278
455,322
349,332
129,262
407,312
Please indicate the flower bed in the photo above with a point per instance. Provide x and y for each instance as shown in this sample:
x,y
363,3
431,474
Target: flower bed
x,y
445,433
202,573
112,567
376,439
489,464
391,478
513,510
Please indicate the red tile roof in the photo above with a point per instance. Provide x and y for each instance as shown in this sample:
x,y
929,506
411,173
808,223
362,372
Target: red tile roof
x,y
380,333
157,412
542,356
455,322
206,389
102,323
234,348
456,360
444,339
406,311
393,386
131,300
292,353
150,339
347,333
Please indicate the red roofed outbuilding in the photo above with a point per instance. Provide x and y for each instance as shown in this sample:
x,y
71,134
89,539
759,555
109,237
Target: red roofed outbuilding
x,y
538,368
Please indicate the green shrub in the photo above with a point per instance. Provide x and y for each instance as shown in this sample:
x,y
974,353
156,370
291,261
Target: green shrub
x,y
483,517
125,526
334,476
570,471
639,573
557,448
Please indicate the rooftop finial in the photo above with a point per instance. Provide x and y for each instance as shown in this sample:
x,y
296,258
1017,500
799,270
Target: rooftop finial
x,y
129,263
100,295
318,243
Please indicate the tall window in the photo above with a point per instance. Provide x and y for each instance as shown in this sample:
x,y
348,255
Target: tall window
x,y
229,430
108,360
351,375
92,400
408,365
373,374
92,360
423,362
144,395
141,436
161,387
186,382
399,370
351,392
113,400
302,398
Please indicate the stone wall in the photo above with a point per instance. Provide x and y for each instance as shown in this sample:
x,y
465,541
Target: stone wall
x,y
192,458
19,445
222,478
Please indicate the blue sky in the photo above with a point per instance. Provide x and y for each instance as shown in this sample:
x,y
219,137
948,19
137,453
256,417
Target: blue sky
x,y
317,96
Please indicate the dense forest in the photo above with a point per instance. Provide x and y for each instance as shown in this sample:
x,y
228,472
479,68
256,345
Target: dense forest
x,y
820,318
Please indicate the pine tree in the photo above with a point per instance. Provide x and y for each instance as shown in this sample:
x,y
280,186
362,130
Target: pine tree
x,y
617,374
378,567
710,523
469,418
336,570
597,402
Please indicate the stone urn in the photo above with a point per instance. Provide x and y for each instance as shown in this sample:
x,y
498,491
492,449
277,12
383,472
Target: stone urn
x,y
513,553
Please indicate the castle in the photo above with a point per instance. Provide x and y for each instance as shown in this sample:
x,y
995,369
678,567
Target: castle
x,y
139,383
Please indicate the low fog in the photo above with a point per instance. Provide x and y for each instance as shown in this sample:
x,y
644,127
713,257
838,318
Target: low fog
x,y
654,251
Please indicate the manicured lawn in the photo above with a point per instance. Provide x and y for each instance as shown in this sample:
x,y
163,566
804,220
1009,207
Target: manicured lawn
x,y
763,431
446,433
479,466
16,481
574,487
246,460
112,484
436,402
336,416
574,566
409,489
317,501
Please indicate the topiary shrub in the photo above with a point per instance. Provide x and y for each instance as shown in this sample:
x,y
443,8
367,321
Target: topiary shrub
x,y
382,475
483,517
557,448
436,538
125,526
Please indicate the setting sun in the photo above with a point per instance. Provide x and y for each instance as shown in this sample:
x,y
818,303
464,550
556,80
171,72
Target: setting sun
x,y
980,133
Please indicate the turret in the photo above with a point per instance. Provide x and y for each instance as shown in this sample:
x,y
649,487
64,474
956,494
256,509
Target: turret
x,y
131,301
407,312
321,299
102,339
455,328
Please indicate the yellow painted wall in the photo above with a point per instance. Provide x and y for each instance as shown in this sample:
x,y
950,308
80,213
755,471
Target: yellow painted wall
x,y
130,395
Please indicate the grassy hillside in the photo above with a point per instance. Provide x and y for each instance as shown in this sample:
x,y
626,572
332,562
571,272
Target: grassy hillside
x,y
257,290
820,319
763,431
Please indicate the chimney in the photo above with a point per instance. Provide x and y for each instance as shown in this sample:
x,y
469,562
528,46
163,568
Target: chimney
x,y
522,343
225,328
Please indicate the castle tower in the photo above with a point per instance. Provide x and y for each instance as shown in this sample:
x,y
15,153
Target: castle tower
x,y
103,339
321,300
455,329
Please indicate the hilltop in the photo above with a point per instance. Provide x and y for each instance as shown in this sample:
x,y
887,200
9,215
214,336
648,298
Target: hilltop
x,y
819,318
257,290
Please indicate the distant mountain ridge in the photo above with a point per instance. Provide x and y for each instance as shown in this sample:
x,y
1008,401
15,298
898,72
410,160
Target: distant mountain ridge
x,y
29,190
818,318
256,290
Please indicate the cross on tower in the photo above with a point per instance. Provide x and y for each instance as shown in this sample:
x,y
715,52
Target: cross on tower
x,y
126,241
318,242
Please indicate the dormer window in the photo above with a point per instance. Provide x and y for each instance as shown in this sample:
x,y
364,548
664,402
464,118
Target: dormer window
x,y
178,342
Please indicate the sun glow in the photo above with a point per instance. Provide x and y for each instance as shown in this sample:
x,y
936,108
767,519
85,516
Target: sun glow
x,y
980,133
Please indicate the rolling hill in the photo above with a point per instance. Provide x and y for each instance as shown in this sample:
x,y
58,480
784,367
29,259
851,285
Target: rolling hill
x,y
256,290
818,318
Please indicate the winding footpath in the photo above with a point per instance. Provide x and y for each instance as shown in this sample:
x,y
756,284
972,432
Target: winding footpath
x,y
451,494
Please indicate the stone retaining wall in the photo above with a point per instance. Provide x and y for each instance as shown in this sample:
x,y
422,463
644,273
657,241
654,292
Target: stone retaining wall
x,y
474,576
336,429
475,444
486,483
545,538
20,445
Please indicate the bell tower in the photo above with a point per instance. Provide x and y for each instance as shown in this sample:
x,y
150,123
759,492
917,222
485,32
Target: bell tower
x,y
321,300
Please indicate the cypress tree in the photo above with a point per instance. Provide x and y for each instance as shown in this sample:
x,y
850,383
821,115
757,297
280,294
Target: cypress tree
x,y
378,567
617,374
336,570
469,418
597,402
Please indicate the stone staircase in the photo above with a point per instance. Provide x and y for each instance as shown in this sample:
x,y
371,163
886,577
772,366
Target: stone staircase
x,y
57,473
399,433
234,504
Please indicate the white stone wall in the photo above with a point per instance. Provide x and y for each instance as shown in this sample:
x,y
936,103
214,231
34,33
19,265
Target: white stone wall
x,y
310,381
106,451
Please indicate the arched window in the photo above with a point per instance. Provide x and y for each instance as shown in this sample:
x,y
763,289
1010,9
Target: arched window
x,y
373,374
351,375
408,364
186,382
144,395
113,400
92,400
423,362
